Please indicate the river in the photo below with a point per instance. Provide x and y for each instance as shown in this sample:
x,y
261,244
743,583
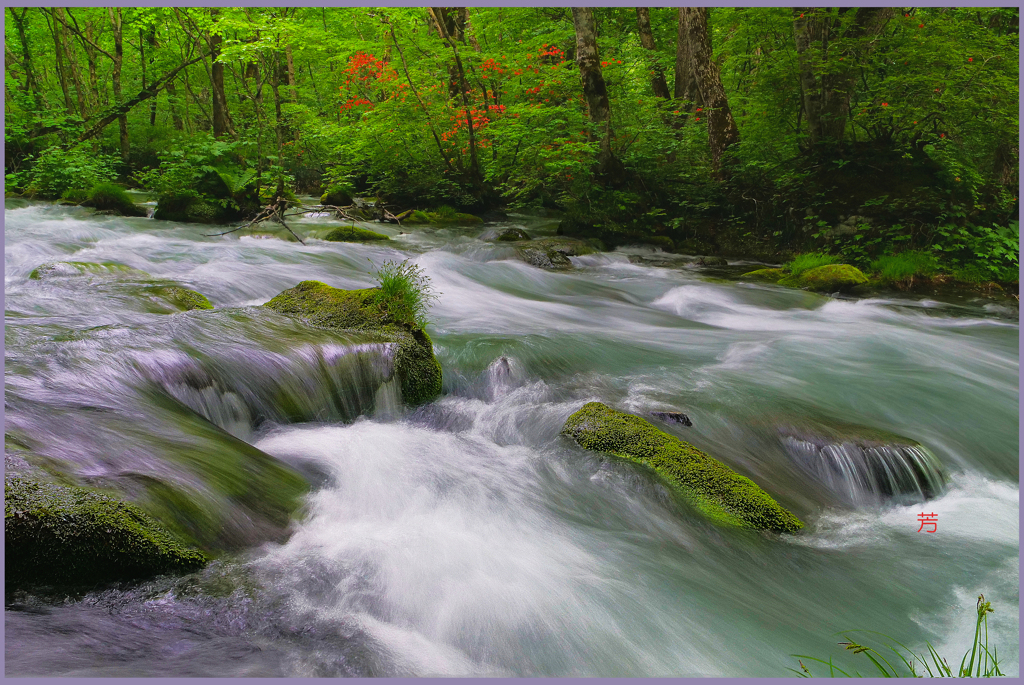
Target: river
x,y
467,537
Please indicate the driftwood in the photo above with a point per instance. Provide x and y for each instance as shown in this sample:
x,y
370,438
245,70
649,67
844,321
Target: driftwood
x,y
277,212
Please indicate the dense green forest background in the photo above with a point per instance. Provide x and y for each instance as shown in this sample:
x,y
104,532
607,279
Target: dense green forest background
x,y
742,131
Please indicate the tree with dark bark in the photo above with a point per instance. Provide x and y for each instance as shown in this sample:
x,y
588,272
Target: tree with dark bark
x,y
594,89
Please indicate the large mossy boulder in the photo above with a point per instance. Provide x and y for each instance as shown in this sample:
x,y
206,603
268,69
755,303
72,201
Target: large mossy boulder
x,y
829,278
190,208
513,234
319,304
354,234
442,216
108,197
711,487
337,195
553,253
74,537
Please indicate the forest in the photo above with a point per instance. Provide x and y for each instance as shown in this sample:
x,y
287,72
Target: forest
x,y
735,131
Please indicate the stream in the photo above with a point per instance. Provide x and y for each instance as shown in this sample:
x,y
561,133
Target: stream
x,y
468,537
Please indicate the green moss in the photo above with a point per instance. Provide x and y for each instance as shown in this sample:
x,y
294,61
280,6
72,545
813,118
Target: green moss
x,y
809,260
187,207
829,278
511,234
65,269
188,299
319,304
337,195
353,234
75,196
771,275
441,218
711,487
110,197
70,535
662,241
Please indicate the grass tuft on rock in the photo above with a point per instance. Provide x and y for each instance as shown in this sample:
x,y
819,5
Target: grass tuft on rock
x,y
111,197
810,260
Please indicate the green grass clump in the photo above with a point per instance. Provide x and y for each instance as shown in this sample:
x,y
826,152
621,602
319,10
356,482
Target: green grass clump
x,y
978,662
810,260
406,292
901,269
353,234
828,278
108,196
708,485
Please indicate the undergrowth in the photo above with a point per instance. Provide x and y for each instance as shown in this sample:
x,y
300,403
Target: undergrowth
x,y
810,260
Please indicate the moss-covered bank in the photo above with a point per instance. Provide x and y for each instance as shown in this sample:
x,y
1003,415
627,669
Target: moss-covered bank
x,y
418,371
711,487
72,536
354,234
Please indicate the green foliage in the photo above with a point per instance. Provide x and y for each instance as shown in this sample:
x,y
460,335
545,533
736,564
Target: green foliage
x,y
811,260
56,171
893,659
980,253
405,291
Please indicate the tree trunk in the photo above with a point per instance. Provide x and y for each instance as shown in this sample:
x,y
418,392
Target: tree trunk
x,y
658,84
71,63
58,61
31,85
218,100
476,177
153,45
90,57
467,29
172,104
291,75
826,96
122,121
594,89
684,89
722,131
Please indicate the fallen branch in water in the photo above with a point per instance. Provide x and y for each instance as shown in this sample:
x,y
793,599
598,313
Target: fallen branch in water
x,y
274,212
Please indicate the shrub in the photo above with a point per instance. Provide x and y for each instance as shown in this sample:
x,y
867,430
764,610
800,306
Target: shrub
x,y
811,260
405,291
57,171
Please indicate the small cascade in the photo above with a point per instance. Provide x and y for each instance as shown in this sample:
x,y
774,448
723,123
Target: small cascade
x,y
503,374
320,382
868,471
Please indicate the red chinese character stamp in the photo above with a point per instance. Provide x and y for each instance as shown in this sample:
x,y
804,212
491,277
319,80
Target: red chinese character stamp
x,y
931,519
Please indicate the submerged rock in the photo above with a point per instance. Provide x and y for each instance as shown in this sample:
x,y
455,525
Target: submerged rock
x,y
319,304
770,275
863,465
713,261
711,487
441,216
354,234
73,536
829,278
187,299
552,253
513,234
672,417
67,269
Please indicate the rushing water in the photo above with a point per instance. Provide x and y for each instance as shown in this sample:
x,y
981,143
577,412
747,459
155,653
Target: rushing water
x,y
467,537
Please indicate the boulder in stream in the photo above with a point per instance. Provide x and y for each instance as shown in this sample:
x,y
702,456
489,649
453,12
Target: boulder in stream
x,y
708,485
769,275
111,198
337,195
553,253
829,278
512,234
415,365
354,234
73,536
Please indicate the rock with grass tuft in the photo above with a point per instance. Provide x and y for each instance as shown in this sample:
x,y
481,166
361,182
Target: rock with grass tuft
x,y
829,278
354,234
108,197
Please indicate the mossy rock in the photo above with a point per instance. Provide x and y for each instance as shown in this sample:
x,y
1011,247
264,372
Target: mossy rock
x,y
545,258
74,196
187,299
441,218
711,487
339,196
662,241
770,275
512,234
73,536
321,305
713,261
66,269
188,208
829,278
110,198
354,234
